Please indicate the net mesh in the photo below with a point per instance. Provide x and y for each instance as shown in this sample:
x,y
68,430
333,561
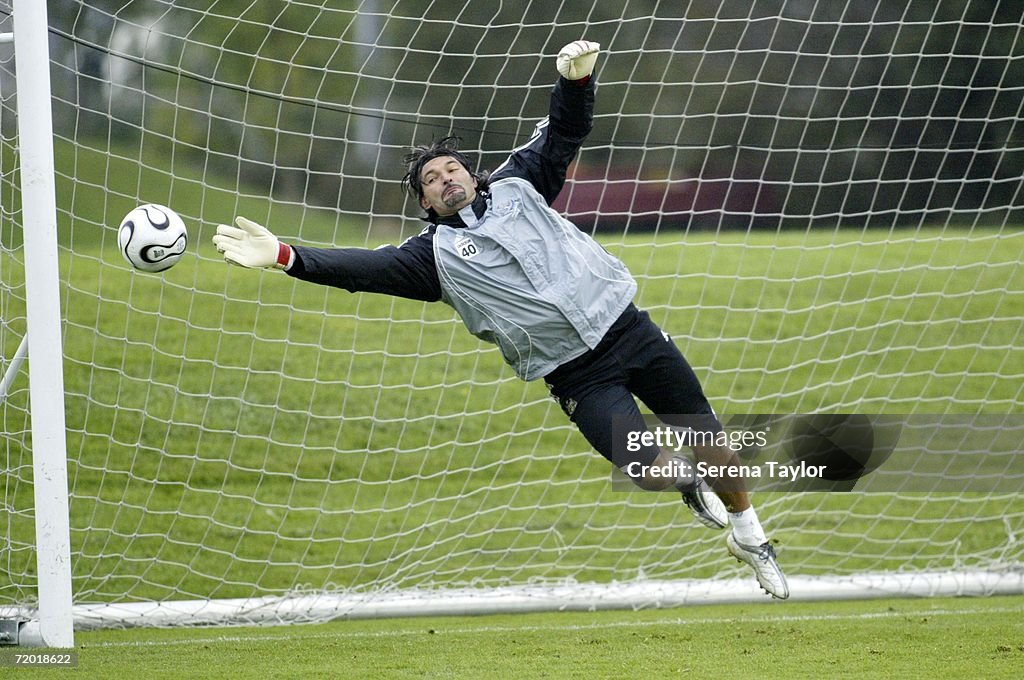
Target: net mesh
x,y
821,201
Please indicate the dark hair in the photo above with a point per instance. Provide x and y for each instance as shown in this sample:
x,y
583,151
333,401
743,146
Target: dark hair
x,y
420,155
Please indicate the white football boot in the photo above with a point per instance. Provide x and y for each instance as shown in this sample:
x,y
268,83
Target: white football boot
x,y
761,559
705,504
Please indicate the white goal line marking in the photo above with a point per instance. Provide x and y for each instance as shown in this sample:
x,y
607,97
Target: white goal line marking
x,y
565,627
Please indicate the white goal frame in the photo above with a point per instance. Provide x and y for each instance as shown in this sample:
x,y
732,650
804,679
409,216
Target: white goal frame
x,y
52,622
54,625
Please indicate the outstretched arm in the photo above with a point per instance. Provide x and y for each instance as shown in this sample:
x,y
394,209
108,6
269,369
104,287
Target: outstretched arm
x,y
406,271
545,158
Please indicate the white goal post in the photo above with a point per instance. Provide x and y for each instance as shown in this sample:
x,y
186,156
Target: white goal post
x,y
52,627
821,202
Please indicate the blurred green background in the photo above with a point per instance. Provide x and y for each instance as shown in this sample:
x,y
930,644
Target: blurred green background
x,y
711,114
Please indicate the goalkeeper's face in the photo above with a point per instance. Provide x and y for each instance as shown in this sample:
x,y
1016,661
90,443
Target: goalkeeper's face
x,y
447,186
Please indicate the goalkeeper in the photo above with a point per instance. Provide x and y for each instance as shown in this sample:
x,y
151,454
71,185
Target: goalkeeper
x,y
558,306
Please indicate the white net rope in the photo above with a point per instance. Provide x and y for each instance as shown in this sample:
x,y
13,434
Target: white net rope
x,y
821,201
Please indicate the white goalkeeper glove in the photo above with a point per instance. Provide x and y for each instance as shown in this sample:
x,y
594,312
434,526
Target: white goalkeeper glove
x,y
252,245
576,60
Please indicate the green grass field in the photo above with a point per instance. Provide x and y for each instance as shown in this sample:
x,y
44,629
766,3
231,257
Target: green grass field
x,y
223,444
233,432
236,433
976,638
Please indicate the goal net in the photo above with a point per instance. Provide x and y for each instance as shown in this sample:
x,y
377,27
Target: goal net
x,y
821,203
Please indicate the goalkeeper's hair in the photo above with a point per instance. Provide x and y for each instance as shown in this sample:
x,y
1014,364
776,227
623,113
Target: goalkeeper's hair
x,y
420,155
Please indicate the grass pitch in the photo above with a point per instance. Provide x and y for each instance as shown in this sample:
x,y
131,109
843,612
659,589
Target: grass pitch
x,y
947,638
235,433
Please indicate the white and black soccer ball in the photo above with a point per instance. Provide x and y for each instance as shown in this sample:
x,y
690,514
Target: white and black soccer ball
x,y
152,237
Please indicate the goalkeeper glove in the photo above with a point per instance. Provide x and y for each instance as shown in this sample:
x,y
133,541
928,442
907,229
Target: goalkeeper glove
x,y
576,60
252,245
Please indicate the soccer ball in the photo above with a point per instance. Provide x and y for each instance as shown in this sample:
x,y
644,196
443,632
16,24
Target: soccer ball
x,y
152,238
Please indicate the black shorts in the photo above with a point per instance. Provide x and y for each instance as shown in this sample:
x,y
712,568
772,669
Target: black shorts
x,y
635,358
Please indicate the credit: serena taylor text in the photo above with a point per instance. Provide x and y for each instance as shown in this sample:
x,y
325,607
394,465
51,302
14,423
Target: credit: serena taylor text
x,y
771,469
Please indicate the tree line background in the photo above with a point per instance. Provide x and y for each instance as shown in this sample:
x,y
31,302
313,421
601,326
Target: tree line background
x,y
710,113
